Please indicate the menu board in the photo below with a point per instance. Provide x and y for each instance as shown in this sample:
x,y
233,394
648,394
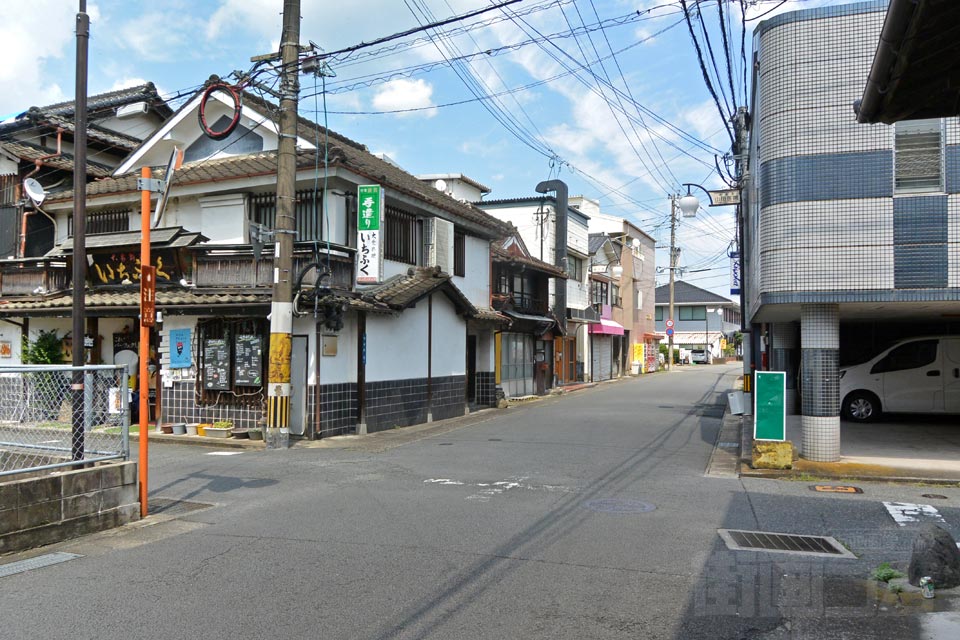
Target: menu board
x,y
249,360
216,364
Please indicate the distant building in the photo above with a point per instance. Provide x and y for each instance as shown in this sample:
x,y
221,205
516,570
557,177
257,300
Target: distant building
x,y
702,319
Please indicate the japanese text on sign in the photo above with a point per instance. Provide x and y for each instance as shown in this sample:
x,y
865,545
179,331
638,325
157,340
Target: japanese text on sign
x,y
369,216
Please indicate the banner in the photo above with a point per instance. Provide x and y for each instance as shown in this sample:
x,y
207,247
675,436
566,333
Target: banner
x,y
369,221
181,351
735,275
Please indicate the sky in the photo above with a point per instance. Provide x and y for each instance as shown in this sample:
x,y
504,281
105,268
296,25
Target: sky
x,y
607,95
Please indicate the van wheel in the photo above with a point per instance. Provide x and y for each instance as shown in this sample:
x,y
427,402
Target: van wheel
x,y
861,406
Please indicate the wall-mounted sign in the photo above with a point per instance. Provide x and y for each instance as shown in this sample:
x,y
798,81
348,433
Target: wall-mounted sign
x,y
6,349
117,267
248,369
369,221
181,351
148,296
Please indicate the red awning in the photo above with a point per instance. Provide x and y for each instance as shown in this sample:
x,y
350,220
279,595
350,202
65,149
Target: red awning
x,y
608,327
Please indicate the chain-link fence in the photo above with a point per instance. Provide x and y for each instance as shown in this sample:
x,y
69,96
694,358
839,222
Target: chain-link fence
x,y
46,422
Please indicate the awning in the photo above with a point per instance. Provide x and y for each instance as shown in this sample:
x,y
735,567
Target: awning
x,y
528,316
608,327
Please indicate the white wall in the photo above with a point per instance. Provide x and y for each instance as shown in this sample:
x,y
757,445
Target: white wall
x,y
397,345
476,284
449,338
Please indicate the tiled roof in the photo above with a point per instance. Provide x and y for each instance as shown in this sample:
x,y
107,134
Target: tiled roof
x,y
403,291
163,238
491,315
141,93
166,297
31,152
596,240
499,255
686,293
96,133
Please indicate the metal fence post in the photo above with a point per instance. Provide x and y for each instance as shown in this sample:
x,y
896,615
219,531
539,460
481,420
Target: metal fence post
x,y
88,382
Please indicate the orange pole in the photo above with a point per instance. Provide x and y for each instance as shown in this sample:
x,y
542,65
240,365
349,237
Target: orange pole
x,y
144,346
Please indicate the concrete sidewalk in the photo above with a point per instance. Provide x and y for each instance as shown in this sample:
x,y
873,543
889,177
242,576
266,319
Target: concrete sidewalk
x,y
914,448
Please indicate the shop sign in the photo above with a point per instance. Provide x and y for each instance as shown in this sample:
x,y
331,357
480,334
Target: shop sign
x,y
369,221
124,267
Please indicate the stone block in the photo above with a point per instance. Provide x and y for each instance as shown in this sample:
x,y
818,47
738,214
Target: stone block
x,y
81,505
9,493
128,472
117,496
39,514
772,455
8,521
935,554
39,490
111,475
80,482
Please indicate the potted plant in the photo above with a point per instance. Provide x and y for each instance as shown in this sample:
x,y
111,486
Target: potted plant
x,y
220,429
179,429
192,429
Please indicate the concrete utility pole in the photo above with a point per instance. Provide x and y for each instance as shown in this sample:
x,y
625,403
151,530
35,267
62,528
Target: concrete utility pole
x,y
281,307
79,229
673,268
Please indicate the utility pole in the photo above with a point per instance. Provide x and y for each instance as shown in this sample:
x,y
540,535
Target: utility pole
x,y
673,268
281,306
79,230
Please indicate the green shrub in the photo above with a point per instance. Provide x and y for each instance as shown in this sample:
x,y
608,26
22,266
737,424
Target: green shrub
x,y
46,349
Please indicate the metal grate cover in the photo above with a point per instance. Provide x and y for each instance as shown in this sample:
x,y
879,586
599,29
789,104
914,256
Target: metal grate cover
x,y
170,507
45,560
822,546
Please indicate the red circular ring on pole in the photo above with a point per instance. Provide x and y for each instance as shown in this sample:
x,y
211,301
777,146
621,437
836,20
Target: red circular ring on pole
x,y
202,112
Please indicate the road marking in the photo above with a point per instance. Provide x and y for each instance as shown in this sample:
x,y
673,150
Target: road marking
x,y
906,512
491,489
224,453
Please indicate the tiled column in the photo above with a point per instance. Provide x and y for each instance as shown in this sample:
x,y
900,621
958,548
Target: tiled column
x,y
783,346
820,381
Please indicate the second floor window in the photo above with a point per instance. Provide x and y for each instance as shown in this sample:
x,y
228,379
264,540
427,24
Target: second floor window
x,y
659,314
400,236
459,254
308,211
109,221
692,313
615,295
918,156
599,292
575,268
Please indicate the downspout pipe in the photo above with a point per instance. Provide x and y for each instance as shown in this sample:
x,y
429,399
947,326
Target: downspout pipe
x,y
560,245
37,164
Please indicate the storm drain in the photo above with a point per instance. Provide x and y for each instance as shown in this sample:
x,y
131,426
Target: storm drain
x,y
45,560
170,507
823,546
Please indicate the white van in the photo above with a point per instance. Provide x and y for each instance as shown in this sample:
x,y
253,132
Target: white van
x,y
701,356
919,375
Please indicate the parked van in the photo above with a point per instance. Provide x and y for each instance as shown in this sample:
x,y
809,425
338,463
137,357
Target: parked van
x,y
919,375
701,356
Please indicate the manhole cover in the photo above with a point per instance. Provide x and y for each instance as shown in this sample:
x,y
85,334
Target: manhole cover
x,y
170,507
933,496
618,505
824,546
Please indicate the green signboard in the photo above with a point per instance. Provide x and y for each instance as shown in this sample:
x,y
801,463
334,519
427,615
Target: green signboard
x,y
770,406
369,199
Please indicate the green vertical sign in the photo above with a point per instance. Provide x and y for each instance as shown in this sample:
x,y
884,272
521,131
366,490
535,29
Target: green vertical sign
x,y
369,202
770,406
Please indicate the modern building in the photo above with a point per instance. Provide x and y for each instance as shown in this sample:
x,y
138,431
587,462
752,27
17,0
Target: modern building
x,y
851,231
702,319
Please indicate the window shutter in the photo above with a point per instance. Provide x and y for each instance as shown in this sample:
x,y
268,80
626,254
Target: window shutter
x,y
918,156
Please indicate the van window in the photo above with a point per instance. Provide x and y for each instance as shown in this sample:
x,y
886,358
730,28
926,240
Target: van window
x,y
908,356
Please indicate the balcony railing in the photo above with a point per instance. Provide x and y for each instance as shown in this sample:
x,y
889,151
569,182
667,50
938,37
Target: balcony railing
x,y
235,266
519,302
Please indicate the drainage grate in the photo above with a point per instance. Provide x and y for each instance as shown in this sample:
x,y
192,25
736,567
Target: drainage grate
x,y
823,546
36,563
170,507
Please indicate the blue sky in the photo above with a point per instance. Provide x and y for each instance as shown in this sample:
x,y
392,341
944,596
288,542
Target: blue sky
x,y
630,164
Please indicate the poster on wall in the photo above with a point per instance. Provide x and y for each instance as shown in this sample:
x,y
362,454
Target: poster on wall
x,y
6,349
216,364
249,360
181,352
125,350
369,220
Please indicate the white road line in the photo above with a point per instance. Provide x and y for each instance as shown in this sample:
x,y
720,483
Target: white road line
x,y
491,489
906,512
225,453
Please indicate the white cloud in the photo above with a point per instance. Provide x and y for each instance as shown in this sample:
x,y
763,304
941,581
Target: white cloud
x,y
405,94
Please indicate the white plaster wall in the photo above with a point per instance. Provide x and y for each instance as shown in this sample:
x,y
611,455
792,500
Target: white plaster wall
x,y
343,366
11,333
476,284
485,350
397,345
449,339
223,218
176,322
392,268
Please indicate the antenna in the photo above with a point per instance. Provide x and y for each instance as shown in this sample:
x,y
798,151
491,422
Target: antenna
x,y
34,191
176,159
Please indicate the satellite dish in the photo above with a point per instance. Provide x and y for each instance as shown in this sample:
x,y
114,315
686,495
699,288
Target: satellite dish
x,y
34,191
176,159
440,185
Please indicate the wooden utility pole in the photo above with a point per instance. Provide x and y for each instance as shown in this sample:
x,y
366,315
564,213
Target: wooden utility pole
x,y
281,307
79,229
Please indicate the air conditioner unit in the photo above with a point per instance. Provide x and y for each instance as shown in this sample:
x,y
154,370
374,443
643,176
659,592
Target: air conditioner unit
x,y
439,249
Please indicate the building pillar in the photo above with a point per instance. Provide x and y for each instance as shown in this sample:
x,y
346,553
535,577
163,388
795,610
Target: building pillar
x,y
820,381
783,357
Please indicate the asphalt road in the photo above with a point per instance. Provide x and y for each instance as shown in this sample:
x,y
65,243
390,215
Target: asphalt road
x,y
583,516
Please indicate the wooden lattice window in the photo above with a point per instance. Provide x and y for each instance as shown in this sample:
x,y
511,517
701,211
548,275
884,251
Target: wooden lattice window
x,y
400,236
308,211
106,221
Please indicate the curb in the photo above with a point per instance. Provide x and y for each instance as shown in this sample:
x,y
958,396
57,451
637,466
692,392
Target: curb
x,y
202,441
